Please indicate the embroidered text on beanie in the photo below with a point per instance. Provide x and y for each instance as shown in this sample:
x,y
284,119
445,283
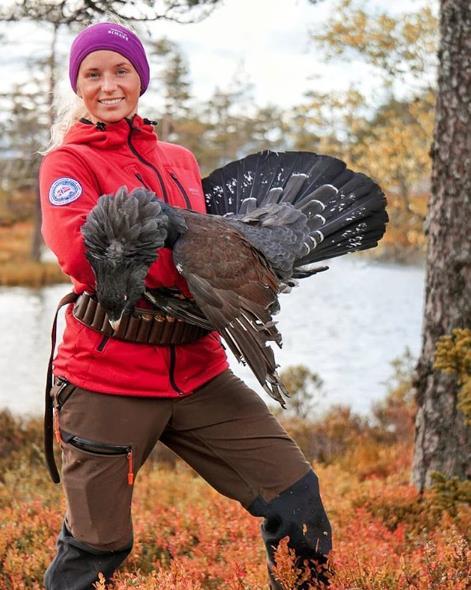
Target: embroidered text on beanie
x,y
111,37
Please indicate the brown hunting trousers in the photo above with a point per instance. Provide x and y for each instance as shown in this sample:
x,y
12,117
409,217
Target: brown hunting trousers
x,y
223,430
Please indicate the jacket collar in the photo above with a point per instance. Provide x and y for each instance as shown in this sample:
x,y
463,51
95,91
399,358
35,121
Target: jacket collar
x,y
105,136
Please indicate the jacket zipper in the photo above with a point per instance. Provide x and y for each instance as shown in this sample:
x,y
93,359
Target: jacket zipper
x,y
181,189
103,343
146,162
103,449
141,180
171,371
164,192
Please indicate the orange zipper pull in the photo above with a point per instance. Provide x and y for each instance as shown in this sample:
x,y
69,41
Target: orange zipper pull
x,y
130,469
57,431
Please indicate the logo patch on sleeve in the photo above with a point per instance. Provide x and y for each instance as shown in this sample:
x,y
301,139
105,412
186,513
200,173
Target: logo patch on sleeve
x,y
64,191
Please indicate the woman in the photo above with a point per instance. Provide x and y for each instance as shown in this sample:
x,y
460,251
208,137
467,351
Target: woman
x,y
115,398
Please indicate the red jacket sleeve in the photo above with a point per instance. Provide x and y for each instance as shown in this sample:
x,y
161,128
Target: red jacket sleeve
x,y
68,193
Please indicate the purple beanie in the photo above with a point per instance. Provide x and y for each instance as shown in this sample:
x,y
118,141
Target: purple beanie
x,y
111,37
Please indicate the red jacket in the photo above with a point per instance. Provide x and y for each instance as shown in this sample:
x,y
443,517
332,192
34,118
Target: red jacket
x,y
95,161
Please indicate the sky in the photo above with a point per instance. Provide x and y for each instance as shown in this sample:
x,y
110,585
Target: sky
x,y
268,39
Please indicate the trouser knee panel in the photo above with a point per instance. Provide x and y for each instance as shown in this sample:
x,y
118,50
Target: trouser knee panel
x,y
76,565
298,513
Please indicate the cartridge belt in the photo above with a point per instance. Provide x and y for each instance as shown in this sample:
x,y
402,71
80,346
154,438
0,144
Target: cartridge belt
x,y
142,326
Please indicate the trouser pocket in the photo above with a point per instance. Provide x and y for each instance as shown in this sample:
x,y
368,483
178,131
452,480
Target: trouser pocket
x,y
100,448
98,481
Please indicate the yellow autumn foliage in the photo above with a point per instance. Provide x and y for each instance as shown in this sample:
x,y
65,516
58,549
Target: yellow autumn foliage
x,y
453,356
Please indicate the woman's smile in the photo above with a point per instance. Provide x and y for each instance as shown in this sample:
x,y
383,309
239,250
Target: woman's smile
x,y
111,101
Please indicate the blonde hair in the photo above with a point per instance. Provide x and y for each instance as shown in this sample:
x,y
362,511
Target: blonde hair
x,y
68,113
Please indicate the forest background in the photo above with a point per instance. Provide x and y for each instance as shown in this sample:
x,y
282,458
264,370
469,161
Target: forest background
x,y
381,125
388,535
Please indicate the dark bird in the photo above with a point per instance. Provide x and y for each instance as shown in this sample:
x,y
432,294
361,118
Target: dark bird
x,y
271,215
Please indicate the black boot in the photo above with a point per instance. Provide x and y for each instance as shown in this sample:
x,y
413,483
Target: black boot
x,y
299,514
76,565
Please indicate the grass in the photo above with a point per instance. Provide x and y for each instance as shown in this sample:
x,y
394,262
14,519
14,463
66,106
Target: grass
x,y
16,266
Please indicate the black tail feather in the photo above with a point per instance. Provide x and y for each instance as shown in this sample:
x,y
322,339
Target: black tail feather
x,y
345,209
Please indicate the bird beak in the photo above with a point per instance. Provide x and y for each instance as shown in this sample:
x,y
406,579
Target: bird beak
x,y
115,323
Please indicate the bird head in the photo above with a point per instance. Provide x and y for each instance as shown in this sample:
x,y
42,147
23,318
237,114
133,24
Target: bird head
x,y
119,281
122,234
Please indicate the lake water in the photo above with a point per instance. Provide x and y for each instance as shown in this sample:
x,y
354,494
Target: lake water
x,y
346,324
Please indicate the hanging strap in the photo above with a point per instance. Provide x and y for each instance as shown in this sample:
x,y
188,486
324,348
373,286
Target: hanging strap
x,y
48,410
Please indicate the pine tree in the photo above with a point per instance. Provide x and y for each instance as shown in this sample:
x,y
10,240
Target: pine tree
x,y
443,439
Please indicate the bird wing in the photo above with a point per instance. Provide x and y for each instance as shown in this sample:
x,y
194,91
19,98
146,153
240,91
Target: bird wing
x,y
236,290
281,232
173,302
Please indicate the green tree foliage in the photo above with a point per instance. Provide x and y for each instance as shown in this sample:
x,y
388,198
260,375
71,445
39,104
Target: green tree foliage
x,y
226,130
328,123
218,130
450,492
266,128
225,127
393,417
172,83
215,131
453,356
23,128
305,388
